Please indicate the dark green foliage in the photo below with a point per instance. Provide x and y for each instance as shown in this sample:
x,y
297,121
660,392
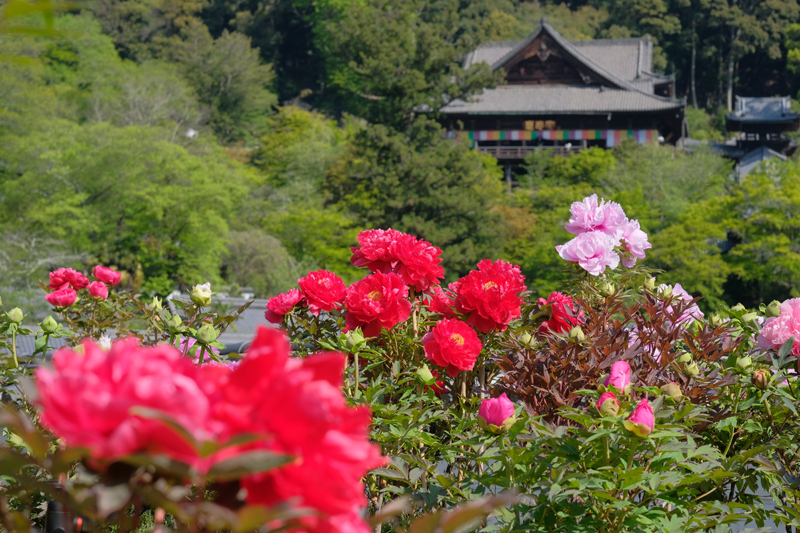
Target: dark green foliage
x,y
425,185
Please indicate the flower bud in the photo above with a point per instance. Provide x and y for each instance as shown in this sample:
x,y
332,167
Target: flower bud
x,y
175,321
672,390
642,420
665,292
353,339
526,339
157,304
738,308
576,334
425,375
749,317
608,288
608,405
774,309
692,369
201,294
760,379
650,284
745,364
15,315
207,334
684,358
49,325
715,320
496,415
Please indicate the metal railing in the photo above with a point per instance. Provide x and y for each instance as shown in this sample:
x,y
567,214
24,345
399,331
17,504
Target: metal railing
x,y
519,152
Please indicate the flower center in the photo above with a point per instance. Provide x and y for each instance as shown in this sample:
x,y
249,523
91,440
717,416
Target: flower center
x,y
325,282
489,285
457,339
375,296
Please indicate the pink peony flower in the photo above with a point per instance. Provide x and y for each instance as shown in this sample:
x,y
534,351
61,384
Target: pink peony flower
x,y
642,420
62,297
323,290
620,376
106,275
490,295
496,414
68,277
593,251
634,242
587,216
778,330
280,305
612,408
377,301
374,252
692,312
98,289
452,344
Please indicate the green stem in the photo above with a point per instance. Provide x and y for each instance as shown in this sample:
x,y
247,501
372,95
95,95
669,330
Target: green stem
x,y
738,393
14,348
356,371
606,450
634,445
46,344
202,353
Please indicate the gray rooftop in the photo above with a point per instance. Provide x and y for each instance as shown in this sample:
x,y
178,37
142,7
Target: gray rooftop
x,y
559,99
757,109
623,64
752,159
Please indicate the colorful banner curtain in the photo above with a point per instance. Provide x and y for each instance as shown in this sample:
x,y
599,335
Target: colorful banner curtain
x,y
612,137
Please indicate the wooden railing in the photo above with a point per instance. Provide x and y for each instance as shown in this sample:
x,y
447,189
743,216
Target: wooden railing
x,y
519,152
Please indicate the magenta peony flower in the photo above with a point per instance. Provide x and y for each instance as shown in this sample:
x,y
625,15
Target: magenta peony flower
x,y
496,414
562,314
642,420
593,251
452,344
98,289
634,242
588,215
490,295
778,330
610,409
106,275
620,376
68,277
62,297
377,301
278,306
323,290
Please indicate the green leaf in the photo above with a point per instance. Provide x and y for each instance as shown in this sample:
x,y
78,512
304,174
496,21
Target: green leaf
x,y
786,348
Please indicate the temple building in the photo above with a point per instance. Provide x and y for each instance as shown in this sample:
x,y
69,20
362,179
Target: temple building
x,y
566,96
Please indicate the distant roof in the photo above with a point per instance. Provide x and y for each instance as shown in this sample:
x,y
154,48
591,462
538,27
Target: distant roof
x,y
559,99
757,109
623,65
752,159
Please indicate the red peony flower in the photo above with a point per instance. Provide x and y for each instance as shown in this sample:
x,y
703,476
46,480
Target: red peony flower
x,y
440,302
379,300
280,305
563,316
106,275
490,295
452,344
62,297
416,261
98,289
322,290
68,277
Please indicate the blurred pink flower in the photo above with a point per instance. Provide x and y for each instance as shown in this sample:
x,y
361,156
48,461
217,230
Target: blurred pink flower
x,y
691,312
62,297
105,274
593,251
620,376
98,289
587,215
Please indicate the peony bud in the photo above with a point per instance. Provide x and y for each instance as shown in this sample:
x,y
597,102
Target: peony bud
x,y
207,334
425,375
774,309
354,339
201,294
15,315
665,292
692,369
49,325
98,289
745,364
738,308
685,357
620,377
157,304
526,339
749,317
608,289
642,420
576,334
672,390
650,284
715,320
175,321
104,342
496,415
760,379
608,404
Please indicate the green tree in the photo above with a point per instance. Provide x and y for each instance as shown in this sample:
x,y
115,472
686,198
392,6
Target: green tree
x,y
423,184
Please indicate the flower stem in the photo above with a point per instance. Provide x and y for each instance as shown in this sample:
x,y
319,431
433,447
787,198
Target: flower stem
x,y
635,444
14,348
202,353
